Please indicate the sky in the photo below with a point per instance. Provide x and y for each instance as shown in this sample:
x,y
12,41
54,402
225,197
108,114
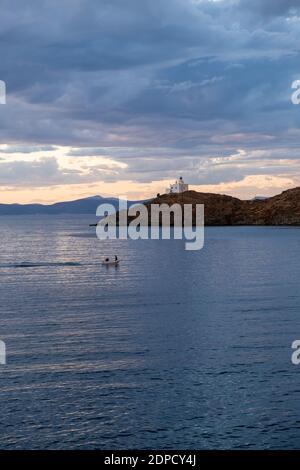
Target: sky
x,y
121,97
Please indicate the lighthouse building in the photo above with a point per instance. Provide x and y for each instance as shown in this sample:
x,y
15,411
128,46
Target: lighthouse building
x,y
178,187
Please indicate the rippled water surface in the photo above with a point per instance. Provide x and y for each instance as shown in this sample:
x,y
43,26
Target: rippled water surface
x,y
171,349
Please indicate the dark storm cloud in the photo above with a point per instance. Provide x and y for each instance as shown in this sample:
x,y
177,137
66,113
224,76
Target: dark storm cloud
x,y
187,79
25,149
270,7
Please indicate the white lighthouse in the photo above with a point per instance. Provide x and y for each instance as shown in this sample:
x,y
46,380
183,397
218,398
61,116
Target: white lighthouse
x,y
178,187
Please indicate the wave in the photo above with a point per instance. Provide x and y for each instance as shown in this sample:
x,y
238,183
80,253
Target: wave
x,y
29,264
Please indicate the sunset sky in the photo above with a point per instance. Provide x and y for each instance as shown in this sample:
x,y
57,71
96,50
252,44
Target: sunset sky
x,y
120,97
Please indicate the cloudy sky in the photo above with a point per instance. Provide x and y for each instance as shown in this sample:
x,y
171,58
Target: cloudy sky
x,y
117,97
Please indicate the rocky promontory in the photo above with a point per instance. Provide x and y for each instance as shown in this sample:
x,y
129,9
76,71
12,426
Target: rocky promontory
x,y
283,209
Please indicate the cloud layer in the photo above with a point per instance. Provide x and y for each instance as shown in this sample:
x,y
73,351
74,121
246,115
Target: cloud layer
x,y
143,90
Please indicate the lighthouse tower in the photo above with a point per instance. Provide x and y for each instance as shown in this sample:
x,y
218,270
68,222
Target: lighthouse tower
x,y
178,187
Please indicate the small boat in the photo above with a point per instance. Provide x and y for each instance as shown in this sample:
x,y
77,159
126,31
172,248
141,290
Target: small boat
x,y
111,262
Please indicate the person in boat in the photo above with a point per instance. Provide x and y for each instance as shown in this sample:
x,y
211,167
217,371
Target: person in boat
x,y
106,260
116,258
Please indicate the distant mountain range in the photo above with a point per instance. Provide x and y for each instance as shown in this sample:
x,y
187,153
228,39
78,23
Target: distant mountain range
x,y
79,206
283,209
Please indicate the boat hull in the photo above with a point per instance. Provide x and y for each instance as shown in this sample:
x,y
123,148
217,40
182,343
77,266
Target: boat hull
x,y
110,263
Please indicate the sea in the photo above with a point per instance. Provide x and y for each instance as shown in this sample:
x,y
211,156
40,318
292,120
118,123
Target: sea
x,y
172,349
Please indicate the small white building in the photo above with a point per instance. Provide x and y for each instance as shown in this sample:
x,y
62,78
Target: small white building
x,y
178,187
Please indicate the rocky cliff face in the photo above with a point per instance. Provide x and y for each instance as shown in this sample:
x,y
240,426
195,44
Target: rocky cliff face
x,y
283,209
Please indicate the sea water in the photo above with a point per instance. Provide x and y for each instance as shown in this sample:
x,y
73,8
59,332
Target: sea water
x,y
171,349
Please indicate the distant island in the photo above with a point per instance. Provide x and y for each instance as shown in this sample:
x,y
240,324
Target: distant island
x,y
283,209
86,205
